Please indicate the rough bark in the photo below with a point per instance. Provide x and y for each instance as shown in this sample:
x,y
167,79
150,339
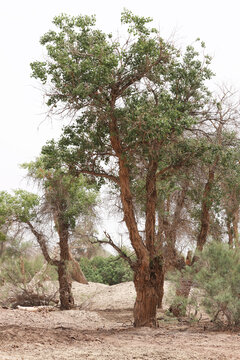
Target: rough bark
x,y
151,202
146,275
64,278
147,282
65,286
232,218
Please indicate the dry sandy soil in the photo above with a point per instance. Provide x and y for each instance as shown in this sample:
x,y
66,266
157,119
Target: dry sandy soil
x,y
101,328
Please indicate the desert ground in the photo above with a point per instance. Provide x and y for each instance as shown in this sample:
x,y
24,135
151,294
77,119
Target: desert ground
x,y
101,328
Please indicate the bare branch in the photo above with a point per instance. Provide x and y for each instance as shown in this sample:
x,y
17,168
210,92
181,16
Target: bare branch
x,y
121,253
42,243
100,174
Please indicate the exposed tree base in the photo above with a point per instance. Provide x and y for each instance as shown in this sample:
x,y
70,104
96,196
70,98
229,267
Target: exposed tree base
x,y
145,309
149,286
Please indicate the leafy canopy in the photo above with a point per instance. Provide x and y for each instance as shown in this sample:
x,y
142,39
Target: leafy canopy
x,y
145,86
65,196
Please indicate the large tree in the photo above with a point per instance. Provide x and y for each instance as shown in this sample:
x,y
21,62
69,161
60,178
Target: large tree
x,y
131,99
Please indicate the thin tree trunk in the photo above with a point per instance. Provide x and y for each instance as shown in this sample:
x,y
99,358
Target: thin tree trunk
x,y
205,212
170,229
160,289
2,248
185,284
230,233
182,291
235,227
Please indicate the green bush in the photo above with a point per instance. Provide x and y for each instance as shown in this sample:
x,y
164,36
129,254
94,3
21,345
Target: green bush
x,y
111,270
219,277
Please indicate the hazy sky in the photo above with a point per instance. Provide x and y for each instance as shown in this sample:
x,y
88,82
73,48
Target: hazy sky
x,y
23,128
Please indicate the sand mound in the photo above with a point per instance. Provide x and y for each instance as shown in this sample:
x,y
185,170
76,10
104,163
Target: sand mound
x,y
120,296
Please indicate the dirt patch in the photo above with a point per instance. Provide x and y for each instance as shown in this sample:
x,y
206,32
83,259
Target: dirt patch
x,y
106,332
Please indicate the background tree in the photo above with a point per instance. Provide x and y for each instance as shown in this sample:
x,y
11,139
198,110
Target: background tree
x,y
211,191
64,199
131,101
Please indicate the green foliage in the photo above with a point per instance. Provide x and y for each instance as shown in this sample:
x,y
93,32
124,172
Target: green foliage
x,y
64,193
110,270
219,277
147,85
20,206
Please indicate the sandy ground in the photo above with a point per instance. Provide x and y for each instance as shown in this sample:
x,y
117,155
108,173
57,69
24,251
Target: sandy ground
x,y
101,328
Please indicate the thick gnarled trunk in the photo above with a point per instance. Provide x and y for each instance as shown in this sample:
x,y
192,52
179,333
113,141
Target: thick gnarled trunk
x,y
147,284
145,305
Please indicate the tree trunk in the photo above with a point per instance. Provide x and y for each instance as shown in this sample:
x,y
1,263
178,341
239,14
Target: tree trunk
x,y
183,291
184,287
235,227
145,307
146,274
65,281
2,248
65,286
160,289
185,284
230,233
206,206
147,282
76,272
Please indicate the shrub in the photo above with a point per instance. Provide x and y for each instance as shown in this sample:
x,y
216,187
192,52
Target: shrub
x,y
219,277
23,282
111,270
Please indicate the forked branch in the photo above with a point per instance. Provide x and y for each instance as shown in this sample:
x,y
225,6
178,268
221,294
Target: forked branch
x,y
121,253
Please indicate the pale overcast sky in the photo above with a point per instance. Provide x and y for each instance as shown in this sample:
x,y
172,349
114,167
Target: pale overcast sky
x,y
23,130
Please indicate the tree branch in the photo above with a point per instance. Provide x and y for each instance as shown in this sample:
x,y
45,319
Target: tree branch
x,y
42,243
121,253
100,174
